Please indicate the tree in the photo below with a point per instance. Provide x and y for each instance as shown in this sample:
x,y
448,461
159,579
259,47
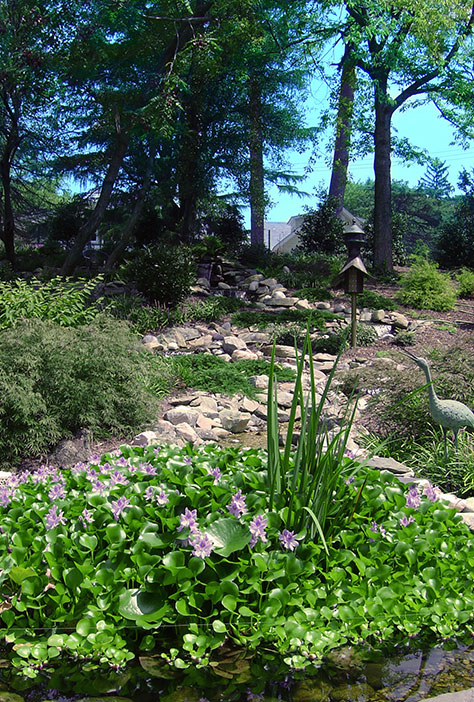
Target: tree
x,y
340,162
406,51
455,245
435,181
29,101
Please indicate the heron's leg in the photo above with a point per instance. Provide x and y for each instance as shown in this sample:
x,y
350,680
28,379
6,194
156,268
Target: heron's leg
x,y
445,432
456,438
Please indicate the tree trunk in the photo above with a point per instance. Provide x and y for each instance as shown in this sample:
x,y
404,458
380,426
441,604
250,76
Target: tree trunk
x,y
128,230
190,172
89,227
8,229
257,185
383,260
340,163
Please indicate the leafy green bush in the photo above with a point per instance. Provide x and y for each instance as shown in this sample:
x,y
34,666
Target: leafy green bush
x,y
322,231
56,380
68,303
145,318
465,280
319,293
289,334
405,338
425,287
163,274
369,298
300,270
365,336
212,374
314,318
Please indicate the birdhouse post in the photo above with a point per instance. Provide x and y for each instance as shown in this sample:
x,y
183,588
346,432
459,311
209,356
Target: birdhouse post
x,y
354,272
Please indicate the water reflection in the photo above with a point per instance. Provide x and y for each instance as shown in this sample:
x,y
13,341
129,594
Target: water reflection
x,y
347,675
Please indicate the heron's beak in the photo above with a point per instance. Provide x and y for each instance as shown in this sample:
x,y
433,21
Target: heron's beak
x,y
409,354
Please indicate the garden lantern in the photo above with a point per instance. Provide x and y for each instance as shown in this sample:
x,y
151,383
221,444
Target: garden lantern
x,y
353,272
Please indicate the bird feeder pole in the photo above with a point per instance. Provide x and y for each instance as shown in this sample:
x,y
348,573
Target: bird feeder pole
x,y
353,272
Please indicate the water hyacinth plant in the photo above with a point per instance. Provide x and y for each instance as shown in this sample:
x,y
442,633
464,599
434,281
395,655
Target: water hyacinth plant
x,y
178,553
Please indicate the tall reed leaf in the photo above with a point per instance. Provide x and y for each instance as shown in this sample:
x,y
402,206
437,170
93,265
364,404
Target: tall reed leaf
x,y
305,481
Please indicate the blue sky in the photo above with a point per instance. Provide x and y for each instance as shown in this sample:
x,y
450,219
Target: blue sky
x,y
421,125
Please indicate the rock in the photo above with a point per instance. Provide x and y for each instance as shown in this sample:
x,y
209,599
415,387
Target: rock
x,y
323,306
255,337
303,305
282,301
149,339
248,405
339,308
203,283
186,432
180,414
285,399
234,421
253,286
13,697
145,438
259,381
232,343
244,355
390,464
279,295
468,518
399,320
207,434
189,333
206,405
205,423
378,315
281,351
469,503
71,451
200,342
223,286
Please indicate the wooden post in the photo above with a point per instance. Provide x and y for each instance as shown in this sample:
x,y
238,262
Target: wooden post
x,y
353,320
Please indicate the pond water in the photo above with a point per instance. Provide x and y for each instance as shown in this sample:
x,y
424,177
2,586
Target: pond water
x,y
348,676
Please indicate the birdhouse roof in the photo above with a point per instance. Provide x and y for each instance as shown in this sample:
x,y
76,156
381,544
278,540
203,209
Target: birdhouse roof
x,y
356,263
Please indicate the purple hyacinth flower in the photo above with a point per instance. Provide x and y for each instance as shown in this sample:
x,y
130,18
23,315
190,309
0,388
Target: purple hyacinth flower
x,y
86,517
162,498
237,505
56,492
288,540
188,520
413,498
405,521
117,478
119,505
257,528
202,545
54,518
431,492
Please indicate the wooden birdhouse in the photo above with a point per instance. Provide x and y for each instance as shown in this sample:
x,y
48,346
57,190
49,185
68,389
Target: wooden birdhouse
x,y
352,276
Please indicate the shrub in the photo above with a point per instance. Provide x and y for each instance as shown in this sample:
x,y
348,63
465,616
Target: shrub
x,y
68,303
163,274
318,293
369,298
315,319
300,270
212,374
56,380
405,338
465,280
322,231
425,287
365,336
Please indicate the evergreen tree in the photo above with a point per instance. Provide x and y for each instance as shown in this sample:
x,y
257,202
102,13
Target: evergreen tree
x,y
435,182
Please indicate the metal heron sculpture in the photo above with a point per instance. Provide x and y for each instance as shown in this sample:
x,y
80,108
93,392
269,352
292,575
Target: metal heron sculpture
x,y
450,414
